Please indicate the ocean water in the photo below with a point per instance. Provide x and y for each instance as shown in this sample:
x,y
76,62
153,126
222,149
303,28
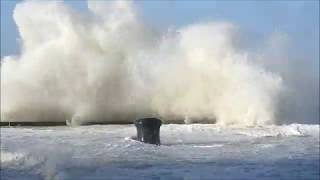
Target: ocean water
x,y
194,151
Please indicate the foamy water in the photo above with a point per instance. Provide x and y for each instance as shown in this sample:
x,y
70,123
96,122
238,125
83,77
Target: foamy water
x,y
188,151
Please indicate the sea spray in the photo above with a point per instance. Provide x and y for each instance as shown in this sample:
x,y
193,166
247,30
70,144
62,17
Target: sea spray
x,y
108,66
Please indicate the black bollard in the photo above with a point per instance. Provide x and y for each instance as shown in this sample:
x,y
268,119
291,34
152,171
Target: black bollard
x,y
148,130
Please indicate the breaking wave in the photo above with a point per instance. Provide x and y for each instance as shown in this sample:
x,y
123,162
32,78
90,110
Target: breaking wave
x,y
108,66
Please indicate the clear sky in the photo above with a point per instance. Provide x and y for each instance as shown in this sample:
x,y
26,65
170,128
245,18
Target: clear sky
x,y
298,19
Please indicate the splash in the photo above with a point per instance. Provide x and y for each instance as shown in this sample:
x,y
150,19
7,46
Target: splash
x,y
108,66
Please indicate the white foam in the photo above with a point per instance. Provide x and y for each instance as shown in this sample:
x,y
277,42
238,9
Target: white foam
x,y
8,157
209,146
285,130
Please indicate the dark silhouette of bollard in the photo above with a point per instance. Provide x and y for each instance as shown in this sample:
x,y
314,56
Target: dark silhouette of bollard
x,y
148,130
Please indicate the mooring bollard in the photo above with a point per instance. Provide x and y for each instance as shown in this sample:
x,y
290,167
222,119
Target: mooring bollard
x,y
148,130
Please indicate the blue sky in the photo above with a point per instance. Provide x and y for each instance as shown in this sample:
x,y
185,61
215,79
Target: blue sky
x,y
298,19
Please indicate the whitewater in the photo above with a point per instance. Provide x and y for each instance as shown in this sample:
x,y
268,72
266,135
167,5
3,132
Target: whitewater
x,y
220,105
109,66
191,151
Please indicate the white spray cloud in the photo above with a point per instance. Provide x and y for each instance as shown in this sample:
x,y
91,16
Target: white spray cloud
x,y
109,67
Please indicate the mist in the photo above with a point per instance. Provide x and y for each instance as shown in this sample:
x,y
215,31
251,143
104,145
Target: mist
x,y
109,66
